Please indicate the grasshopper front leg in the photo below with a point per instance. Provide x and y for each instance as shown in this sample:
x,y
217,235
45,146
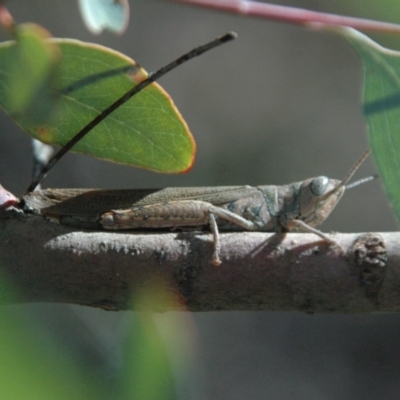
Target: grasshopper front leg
x,y
302,226
172,214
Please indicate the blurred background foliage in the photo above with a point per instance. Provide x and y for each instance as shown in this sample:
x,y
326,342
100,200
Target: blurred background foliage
x,y
279,104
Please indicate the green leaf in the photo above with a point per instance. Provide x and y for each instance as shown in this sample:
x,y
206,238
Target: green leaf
x,y
28,80
147,131
35,368
381,99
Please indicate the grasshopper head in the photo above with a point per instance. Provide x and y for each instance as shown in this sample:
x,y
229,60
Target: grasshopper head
x,y
319,196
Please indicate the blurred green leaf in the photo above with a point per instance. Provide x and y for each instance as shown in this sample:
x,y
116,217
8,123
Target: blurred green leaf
x,y
28,82
160,350
34,368
147,131
105,14
381,99
149,372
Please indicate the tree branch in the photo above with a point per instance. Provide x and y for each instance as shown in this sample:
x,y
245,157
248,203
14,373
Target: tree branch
x,y
48,262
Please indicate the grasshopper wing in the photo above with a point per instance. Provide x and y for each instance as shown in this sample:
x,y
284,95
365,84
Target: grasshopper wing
x,y
89,203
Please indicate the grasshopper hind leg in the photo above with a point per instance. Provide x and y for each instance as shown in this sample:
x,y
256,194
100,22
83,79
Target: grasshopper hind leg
x,y
174,214
217,244
229,216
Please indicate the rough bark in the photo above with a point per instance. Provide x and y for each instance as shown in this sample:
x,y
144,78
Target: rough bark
x,y
48,262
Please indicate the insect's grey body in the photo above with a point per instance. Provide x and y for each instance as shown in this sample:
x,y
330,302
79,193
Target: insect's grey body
x,y
302,205
264,208
264,205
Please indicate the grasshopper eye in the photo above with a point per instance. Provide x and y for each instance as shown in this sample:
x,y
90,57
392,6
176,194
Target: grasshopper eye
x,y
319,185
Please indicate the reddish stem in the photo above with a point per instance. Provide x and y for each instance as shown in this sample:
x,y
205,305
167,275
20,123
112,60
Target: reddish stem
x,y
7,199
6,20
294,15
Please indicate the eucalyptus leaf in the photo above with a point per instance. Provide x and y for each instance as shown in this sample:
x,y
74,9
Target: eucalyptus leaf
x,y
147,131
381,98
28,75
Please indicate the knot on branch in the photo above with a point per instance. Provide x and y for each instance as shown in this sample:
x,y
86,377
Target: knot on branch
x,y
371,257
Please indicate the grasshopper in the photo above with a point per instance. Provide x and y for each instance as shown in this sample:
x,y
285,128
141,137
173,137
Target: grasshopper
x,y
300,205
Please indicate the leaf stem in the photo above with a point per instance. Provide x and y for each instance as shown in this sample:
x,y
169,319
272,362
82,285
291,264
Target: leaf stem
x,y
294,15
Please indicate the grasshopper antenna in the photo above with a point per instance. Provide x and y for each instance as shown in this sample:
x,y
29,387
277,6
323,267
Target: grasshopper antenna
x,y
139,87
361,181
353,170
